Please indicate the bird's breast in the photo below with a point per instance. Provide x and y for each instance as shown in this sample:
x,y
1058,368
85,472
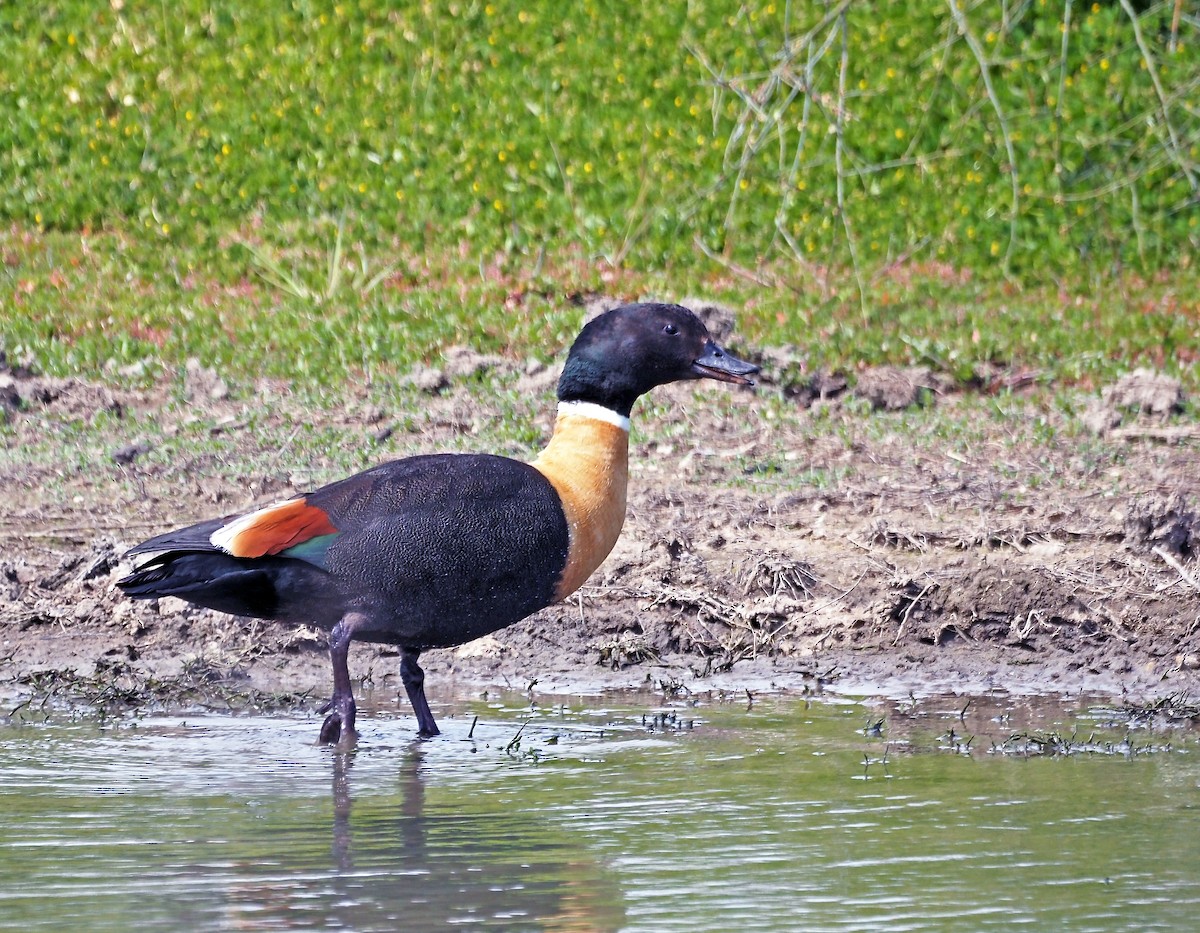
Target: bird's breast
x,y
587,463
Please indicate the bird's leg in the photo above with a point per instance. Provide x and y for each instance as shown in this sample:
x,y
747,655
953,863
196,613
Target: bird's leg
x,y
341,705
414,682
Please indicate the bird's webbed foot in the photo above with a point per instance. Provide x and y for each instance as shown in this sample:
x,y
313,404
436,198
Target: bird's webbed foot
x,y
340,720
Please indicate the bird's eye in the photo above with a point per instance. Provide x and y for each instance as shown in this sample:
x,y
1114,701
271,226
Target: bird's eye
x,y
671,330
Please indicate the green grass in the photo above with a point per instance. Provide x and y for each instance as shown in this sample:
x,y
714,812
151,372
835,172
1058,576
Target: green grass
x,y
83,306
335,191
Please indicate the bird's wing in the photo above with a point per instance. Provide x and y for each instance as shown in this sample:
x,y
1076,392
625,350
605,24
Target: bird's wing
x,y
419,490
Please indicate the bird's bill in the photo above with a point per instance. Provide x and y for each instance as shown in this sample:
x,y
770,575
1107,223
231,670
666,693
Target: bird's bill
x,y
717,363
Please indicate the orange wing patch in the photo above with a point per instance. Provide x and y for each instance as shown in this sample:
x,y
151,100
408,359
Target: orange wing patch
x,y
272,529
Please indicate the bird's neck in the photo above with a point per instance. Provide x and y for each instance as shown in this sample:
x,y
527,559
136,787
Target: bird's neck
x,y
587,463
588,382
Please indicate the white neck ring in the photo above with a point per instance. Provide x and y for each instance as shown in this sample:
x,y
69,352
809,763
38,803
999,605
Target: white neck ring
x,y
595,412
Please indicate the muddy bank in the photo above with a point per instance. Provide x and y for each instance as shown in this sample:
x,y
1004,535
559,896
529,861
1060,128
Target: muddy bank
x,y
883,533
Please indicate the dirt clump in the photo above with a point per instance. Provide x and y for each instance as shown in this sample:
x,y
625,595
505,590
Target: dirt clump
x,y
891,388
465,363
1145,391
23,392
1142,395
721,320
203,383
1167,522
819,388
428,379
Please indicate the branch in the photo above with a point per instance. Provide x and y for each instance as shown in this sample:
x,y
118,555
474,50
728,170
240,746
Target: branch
x,y
1172,136
1062,85
839,148
986,73
1177,567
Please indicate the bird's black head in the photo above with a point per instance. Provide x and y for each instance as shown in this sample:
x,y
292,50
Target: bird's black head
x,y
628,351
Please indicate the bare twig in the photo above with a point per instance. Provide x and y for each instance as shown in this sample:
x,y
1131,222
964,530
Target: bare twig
x,y
515,742
750,275
837,599
1177,567
908,611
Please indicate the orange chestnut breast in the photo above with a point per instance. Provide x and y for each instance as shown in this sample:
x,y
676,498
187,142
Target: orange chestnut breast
x,y
587,463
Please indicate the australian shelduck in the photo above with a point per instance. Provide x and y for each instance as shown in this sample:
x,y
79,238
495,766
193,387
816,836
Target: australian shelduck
x,y
435,550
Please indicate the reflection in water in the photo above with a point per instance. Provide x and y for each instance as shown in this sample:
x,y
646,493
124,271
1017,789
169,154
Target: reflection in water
x,y
218,823
342,760
398,864
764,818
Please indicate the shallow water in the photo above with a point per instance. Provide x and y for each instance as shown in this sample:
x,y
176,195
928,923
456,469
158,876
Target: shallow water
x,y
613,814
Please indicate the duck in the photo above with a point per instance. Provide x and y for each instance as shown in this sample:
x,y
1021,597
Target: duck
x,y
435,550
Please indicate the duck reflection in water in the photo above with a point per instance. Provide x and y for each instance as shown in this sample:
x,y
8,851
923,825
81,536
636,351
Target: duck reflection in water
x,y
422,858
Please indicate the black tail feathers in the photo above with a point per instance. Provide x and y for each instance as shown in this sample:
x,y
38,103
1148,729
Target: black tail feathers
x,y
265,588
148,582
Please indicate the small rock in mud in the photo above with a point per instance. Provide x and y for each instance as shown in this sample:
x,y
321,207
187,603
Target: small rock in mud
x,y
1162,521
890,388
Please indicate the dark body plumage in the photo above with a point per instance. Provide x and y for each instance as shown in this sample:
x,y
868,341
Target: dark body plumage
x,y
409,532
434,551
